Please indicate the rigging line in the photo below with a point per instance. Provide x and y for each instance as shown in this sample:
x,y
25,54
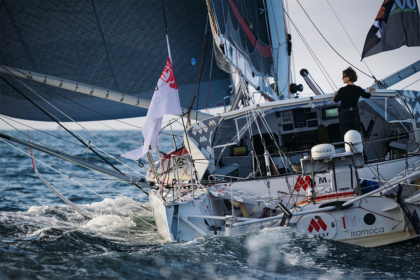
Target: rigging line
x,y
312,53
80,184
371,168
64,114
113,178
199,70
54,119
89,179
171,121
80,126
211,68
290,32
32,138
11,119
271,134
72,120
373,77
43,85
316,59
201,76
349,37
89,117
189,109
81,105
411,84
275,23
46,145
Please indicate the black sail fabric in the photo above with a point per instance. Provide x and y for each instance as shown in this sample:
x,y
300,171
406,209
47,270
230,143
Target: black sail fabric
x,y
397,24
117,45
244,24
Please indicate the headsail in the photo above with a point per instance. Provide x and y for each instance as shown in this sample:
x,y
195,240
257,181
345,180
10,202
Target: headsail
x,y
114,45
242,33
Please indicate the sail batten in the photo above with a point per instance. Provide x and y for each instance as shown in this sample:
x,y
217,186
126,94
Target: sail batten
x,y
90,90
114,45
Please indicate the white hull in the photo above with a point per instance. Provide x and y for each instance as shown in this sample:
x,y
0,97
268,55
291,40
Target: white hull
x,y
371,222
195,215
253,190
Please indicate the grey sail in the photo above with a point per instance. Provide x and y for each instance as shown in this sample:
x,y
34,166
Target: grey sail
x,y
252,37
244,23
116,45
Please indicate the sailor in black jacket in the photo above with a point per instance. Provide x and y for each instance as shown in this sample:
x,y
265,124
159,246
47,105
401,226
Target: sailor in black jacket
x,y
349,96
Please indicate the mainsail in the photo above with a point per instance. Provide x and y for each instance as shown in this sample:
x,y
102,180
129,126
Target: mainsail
x,y
252,37
114,45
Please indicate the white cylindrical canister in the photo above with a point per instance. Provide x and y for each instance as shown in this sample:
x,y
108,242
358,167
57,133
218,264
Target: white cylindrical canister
x,y
353,138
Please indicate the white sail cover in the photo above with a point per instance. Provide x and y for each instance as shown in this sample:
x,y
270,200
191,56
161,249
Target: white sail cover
x,y
165,101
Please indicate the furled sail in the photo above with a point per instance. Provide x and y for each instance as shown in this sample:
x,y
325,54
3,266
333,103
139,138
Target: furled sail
x,y
116,45
251,35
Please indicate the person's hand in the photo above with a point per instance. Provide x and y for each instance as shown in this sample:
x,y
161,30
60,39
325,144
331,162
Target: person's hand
x,y
372,90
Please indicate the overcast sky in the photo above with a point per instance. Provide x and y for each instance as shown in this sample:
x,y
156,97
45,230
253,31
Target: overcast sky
x,y
357,17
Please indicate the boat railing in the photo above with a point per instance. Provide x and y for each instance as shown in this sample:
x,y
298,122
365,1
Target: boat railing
x,y
178,182
294,167
224,176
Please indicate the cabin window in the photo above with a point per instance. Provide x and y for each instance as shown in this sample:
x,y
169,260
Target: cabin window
x,y
229,132
396,112
377,104
389,109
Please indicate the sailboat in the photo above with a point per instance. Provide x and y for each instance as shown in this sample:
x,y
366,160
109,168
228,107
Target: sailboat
x,y
243,169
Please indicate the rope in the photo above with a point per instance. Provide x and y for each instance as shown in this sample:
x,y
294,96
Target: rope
x,y
201,75
349,37
80,184
211,68
53,118
113,178
199,72
87,108
332,46
411,84
312,53
88,179
77,124
13,120
412,98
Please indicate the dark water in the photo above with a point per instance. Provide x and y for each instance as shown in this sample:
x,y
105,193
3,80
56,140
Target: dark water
x,y
42,238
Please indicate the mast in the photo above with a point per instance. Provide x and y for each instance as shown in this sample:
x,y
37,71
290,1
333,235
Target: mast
x,y
237,44
279,45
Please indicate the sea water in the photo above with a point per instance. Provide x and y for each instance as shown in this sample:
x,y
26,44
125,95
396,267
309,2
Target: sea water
x,y
43,238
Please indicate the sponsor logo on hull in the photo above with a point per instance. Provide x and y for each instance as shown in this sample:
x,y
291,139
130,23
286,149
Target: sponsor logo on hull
x,y
317,225
367,231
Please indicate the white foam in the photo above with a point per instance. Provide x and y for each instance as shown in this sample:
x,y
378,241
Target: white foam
x,y
107,223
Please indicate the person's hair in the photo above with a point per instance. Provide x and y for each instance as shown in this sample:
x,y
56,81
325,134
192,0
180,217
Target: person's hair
x,y
349,72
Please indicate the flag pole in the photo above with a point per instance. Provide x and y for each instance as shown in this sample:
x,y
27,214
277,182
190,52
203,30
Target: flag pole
x,y
164,18
182,115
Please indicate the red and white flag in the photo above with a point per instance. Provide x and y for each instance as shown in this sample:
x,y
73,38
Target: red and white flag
x,y
165,101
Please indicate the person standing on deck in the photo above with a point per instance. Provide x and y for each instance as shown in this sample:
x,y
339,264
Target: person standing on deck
x,y
349,96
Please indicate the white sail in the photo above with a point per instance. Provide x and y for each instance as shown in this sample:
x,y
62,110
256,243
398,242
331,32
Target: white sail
x,y
278,35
